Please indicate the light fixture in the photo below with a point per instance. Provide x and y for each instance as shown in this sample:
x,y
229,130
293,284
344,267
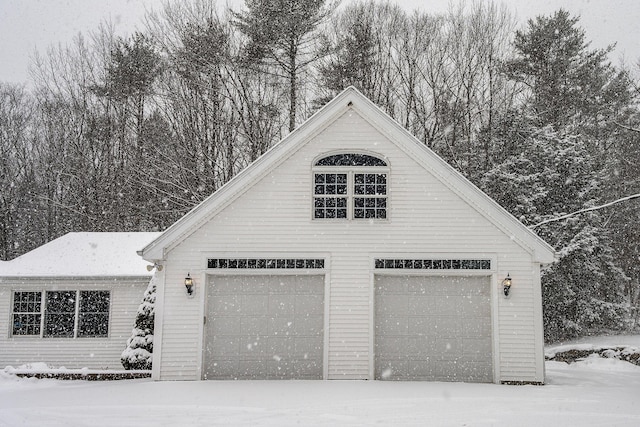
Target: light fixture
x,y
188,283
506,285
154,265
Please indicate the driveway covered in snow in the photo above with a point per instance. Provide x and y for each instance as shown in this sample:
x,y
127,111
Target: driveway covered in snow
x,y
593,392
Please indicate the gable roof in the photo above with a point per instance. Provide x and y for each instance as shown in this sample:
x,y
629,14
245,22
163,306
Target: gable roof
x,y
83,255
350,98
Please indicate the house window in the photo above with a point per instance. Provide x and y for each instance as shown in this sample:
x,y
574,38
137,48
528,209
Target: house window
x,y
330,199
350,186
93,314
26,313
59,318
61,314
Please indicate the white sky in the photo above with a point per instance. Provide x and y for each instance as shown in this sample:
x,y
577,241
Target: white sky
x,y
30,25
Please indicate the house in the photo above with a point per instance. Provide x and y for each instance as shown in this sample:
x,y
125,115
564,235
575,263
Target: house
x,y
72,302
349,251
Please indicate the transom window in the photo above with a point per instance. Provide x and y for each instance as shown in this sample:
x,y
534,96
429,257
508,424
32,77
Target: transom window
x,y
61,314
350,186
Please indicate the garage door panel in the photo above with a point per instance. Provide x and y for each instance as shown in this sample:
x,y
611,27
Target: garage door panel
x,y
252,325
391,369
253,287
392,346
387,288
225,346
253,347
251,368
230,287
392,304
281,284
418,288
308,348
267,330
299,369
282,305
421,305
448,349
280,326
227,304
253,305
476,326
226,368
421,346
225,326
419,369
448,305
392,325
309,304
476,306
308,325
305,287
470,289
280,347
476,348
448,328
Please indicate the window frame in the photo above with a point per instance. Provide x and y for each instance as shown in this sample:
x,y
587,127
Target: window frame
x,y
14,313
351,172
44,313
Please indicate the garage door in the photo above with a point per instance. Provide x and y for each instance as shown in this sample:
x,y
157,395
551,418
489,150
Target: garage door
x,y
264,327
433,328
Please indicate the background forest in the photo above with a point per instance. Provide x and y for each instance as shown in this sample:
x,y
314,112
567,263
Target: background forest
x,y
128,134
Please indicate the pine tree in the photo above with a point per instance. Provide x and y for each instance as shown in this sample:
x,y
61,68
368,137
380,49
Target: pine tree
x,y
555,174
281,34
567,81
139,351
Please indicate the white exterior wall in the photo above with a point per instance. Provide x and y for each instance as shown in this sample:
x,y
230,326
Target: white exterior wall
x,y
425,218
93,353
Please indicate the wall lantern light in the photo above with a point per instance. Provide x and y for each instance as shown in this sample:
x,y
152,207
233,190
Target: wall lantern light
x,y
506,285
188,283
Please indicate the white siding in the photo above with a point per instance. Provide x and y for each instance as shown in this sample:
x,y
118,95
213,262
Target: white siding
x,y
93,353
274,216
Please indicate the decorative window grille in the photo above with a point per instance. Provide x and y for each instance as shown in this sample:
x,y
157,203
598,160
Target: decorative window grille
x,y
265,263
433,264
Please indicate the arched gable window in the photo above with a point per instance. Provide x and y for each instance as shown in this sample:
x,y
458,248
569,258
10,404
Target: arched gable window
x,y
350,186
350,160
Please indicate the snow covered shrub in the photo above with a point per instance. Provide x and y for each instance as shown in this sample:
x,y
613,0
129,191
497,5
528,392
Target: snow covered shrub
x,y
139,351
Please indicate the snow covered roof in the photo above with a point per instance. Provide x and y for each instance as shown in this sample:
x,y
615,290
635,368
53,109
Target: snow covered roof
x,y
83,255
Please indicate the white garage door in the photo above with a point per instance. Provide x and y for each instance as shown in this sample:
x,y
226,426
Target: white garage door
x,y
264,327
433,328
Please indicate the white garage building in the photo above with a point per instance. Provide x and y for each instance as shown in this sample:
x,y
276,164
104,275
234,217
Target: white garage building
x,y
349,251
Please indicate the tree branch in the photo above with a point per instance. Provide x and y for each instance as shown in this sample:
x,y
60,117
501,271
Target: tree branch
x,y
569,215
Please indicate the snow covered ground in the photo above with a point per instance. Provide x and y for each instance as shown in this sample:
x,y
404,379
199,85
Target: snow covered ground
x,y
593,392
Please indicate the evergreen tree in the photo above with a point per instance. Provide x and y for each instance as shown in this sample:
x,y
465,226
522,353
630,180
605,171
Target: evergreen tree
x,y
555,163
282,33
552,175
139,351
567,81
